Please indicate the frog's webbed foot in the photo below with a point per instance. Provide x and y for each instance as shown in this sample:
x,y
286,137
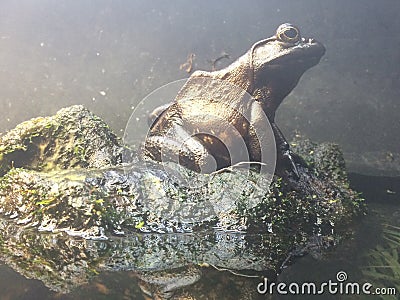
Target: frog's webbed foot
x,y
286,158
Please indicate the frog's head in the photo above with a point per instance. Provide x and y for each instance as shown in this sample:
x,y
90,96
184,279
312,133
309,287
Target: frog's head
x,y
278,62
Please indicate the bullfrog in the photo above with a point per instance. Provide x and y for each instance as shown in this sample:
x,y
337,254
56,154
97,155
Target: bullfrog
x,y
214,110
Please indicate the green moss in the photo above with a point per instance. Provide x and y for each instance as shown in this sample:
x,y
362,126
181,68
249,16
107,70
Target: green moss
x,y
139,225
72,138
46,201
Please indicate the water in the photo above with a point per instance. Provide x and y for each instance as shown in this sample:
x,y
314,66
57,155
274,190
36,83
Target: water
x,y
351,256
110,55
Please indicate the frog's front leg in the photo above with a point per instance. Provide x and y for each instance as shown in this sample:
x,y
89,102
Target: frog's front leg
x,y
285,155
179,146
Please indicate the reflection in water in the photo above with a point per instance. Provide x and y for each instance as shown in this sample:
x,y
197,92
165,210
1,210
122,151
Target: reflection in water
x,y
351,256
162,264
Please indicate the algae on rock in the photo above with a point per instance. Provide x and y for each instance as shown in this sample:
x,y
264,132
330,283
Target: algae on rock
x,y
72,138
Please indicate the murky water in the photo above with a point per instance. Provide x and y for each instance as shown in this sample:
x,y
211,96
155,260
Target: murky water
x,y
110,55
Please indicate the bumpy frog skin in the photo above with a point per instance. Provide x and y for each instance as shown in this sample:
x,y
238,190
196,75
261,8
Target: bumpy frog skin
x,y
268,72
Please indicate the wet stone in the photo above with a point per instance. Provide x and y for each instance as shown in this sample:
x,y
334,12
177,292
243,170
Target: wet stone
x,y
68,210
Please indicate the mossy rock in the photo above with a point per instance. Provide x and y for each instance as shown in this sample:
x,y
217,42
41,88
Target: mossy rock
x,y
72,138
62,178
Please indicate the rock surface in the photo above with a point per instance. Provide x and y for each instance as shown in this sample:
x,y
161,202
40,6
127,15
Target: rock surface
x,y
69,209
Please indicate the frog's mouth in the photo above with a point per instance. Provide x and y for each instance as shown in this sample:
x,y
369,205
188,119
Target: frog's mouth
x,y
306,53
282,71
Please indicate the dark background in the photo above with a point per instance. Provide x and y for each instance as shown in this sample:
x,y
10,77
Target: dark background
x,y
108,55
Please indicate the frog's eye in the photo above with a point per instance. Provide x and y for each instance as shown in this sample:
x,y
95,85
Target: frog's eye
x,y
288,33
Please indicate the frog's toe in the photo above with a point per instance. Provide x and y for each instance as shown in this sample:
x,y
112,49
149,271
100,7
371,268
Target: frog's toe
x,y
288,156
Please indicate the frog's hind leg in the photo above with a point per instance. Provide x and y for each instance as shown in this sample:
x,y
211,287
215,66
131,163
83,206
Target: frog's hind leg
x,y
181,148
156,113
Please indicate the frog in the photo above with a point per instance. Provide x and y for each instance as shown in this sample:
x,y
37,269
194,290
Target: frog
x,y
185,129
